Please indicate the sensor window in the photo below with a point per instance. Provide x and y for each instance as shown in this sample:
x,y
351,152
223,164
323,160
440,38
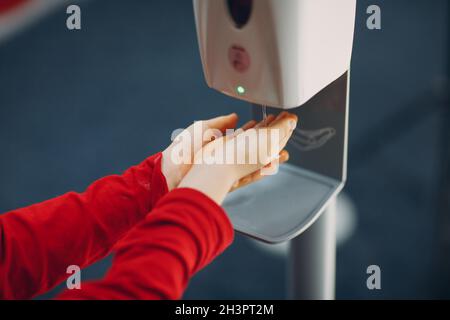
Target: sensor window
x,y
240,11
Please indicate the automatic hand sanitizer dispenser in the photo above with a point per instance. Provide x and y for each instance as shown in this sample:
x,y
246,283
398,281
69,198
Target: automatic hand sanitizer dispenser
x,y
272,52
284,54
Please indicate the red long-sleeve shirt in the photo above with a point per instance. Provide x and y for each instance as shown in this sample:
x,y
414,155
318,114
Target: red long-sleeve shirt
x,y
160,239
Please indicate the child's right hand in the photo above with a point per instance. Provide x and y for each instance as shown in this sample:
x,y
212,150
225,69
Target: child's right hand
x,y
216,179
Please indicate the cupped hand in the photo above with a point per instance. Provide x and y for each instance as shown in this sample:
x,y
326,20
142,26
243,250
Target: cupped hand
x,y
235,160
173,169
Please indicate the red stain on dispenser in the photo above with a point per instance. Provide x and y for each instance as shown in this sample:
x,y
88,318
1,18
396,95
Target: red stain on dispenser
x,y
239,58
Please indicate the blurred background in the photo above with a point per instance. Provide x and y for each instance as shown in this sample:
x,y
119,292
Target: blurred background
x,y
79,105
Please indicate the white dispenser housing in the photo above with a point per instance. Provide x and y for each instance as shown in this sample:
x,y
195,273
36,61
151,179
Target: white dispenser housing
x,y
277,53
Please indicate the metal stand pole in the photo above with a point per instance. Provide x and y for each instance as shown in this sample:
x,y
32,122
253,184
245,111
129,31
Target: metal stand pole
x,y
312,260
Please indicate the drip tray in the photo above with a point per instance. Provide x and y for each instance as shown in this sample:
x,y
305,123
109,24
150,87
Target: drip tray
x,y
282,206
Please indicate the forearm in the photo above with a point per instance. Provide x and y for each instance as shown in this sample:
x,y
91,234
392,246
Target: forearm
x,y
157,259
39,242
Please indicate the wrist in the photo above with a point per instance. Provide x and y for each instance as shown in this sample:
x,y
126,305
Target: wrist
x,y
170,170
213,181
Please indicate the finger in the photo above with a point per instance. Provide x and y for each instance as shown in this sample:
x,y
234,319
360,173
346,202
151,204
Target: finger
x,y
271,168
270,118
285,122
279,133
286,125
256,176
263,122
251,178
284,156
223,122
249,125
281,115
284,140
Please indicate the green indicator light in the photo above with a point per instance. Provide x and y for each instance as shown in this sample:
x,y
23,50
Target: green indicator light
x,y
240,90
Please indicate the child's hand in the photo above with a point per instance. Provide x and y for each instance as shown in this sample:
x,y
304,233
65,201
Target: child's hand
x,y
175,171
232,161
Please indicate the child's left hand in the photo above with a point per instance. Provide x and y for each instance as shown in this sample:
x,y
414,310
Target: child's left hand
x,y
174,172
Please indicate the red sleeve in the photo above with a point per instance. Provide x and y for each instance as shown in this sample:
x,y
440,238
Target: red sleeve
x,y
39,242
157,258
